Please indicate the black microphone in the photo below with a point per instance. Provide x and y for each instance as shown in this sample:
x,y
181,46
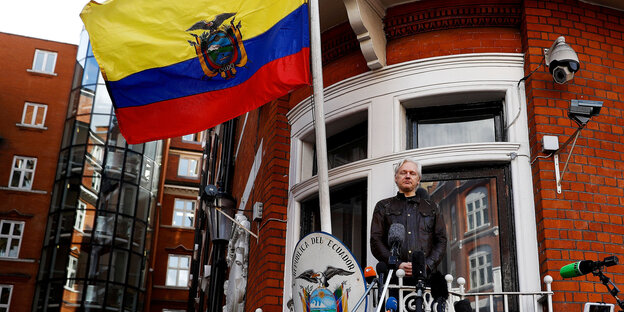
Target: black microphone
x,y
382,270
581,268
419,269
396,236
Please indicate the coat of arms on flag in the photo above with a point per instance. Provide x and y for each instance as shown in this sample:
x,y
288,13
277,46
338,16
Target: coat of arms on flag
x,y
219,48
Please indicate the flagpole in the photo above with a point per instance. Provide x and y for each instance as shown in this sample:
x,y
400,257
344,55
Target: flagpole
x,y
319,116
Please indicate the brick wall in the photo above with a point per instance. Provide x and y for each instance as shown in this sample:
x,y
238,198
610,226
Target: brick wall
x,y
585,221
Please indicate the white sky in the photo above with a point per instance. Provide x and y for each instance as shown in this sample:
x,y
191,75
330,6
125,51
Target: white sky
x,y
55,20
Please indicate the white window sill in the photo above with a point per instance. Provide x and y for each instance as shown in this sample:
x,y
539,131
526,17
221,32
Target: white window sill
x,y
30,70
17,260
70,289
5,188
168,226
21,125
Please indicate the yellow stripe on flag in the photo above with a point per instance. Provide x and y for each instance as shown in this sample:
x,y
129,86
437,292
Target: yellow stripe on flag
x,y
142,34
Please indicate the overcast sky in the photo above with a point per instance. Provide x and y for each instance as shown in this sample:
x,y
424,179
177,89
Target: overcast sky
x,y
55,20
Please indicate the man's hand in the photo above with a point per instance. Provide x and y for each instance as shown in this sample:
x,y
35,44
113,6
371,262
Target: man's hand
x,y
407,267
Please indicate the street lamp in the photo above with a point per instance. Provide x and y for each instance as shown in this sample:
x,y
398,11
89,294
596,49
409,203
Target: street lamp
x,y
220,211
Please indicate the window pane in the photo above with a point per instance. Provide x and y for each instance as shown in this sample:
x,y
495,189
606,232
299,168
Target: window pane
x,y
171,277
184,262
183,167
27,181
50,61
15,178
28,114
40,116
173,261
39,56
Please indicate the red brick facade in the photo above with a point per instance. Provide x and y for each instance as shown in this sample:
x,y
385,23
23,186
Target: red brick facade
x,y
18,85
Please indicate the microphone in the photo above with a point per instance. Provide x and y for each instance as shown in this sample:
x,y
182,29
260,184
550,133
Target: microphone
x,y
382,270
583,267
419,269
392,305
396,236
369,274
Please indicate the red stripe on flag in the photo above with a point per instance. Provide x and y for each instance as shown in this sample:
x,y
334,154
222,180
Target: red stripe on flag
x,y
199,112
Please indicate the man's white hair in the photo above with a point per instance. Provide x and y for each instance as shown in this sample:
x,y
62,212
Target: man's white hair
x,y
406,160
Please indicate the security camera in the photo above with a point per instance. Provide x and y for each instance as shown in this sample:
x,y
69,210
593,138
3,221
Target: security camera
x,y
561,61
581,111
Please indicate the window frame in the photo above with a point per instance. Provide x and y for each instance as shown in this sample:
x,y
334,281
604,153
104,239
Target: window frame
x,y
45,56
455,112
477,283
10,237
483,209
188,174
196,138
8,304
184,212
72,267
507,234
178,270
36,108
24,170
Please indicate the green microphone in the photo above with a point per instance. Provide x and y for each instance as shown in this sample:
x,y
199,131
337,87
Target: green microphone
x,y
576,269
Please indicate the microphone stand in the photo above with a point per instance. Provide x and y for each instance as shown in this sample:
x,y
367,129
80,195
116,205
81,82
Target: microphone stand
x,y
385,289
357,305
607,282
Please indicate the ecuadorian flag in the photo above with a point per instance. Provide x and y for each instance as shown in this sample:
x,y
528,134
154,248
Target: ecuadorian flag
x,y
175,67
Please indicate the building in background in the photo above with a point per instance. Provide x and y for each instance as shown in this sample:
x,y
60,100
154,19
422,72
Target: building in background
x,y
34,91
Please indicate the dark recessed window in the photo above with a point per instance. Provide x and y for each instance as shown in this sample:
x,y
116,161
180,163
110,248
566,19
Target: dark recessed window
x,y
348,216
454,124
346,146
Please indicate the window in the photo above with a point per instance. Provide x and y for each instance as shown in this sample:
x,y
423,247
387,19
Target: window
x,y
346,146
183,213
10,238
193,137
454,124
23,172
80,216
44,61
178,268
5,297
34,114
348,214
477,209
72,266
188,166
480,262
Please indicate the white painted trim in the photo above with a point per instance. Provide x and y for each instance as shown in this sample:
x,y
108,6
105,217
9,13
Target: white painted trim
x,y
384,93
255,167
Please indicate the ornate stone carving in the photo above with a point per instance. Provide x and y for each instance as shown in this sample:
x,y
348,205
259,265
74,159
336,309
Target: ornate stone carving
x,y
416,18
238,262
366,19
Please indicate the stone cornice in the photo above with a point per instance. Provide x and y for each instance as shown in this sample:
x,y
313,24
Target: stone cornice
x,y
415,17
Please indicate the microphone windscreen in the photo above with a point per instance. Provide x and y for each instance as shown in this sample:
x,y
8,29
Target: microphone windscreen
x,y
369,274
392,304
586,266
396,234
438,286
418,265
382,268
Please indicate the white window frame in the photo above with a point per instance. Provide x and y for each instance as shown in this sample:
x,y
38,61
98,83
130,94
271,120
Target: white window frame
x,y
184,211
474,197
193,137
80,216
33,120
23,172
7,305
178,270
477,283
45,54
10,237
188,160
72,269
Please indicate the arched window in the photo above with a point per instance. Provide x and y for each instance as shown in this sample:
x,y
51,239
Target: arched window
x,y
477,209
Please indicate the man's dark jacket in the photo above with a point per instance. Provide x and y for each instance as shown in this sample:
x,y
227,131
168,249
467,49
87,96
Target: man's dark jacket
x,y
424,228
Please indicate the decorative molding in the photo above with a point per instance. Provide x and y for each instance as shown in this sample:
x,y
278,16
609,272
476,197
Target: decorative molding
x,y
179,250
415,18
338,42
181,190
366,19
15,214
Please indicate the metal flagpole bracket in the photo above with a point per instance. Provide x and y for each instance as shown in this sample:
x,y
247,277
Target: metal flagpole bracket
x,y
559,177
